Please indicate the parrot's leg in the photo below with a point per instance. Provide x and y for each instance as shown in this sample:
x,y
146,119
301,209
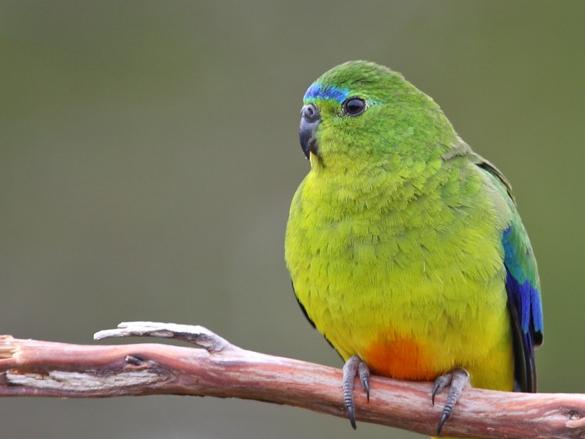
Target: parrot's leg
x,y
352,367
458,379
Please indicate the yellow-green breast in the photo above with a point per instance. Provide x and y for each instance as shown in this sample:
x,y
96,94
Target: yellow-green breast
x,y
405,271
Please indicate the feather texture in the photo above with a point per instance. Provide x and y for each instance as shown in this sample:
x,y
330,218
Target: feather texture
x,y
404,246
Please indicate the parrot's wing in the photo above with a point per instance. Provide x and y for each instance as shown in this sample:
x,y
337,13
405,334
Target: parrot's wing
x,y
524,301
522,282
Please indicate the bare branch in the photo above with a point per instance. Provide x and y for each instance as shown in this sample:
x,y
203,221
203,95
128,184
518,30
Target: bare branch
x,y
220,369
197,335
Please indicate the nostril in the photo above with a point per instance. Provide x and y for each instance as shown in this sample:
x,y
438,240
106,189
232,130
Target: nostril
x,y
310,113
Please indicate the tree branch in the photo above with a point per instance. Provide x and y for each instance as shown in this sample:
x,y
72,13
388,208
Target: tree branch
x,y
220,369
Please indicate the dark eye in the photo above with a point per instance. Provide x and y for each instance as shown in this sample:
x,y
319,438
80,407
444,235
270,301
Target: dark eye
x,y
354,106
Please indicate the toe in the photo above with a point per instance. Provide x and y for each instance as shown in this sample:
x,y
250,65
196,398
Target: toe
x,y
364,374
350,370
458,379
353,367
440,383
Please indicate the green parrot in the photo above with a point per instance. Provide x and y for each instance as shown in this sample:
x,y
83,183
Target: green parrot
x,y
405,247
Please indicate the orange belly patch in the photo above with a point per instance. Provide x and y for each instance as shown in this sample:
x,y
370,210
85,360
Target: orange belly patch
x,y
400,358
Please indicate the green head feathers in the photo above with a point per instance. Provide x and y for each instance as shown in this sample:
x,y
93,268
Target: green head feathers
x,y
360,113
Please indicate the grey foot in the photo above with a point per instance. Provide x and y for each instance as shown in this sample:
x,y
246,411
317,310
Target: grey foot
x,y
457,379
352,367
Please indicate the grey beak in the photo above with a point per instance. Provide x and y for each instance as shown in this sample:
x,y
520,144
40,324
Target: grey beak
x,y
310,119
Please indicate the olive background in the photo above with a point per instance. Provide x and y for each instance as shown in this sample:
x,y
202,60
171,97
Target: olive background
x,y
148,155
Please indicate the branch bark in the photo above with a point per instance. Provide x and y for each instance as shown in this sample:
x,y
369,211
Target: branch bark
x,y
220,369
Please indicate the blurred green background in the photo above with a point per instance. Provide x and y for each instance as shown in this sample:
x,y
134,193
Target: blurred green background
x,y
149,152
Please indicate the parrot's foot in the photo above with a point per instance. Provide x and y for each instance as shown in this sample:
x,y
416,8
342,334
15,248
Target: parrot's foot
x,y
458,379
352,367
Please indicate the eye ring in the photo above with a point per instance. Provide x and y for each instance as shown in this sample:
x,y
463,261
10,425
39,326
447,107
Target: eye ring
x,y
353,106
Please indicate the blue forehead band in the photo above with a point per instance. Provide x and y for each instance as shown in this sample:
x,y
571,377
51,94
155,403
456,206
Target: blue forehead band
x,y
318,91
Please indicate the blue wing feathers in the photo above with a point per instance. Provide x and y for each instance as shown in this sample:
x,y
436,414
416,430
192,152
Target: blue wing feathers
x,y
519,284
524,304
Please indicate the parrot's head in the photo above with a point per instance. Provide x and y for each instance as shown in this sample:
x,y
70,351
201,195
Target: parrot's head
x,y
361,114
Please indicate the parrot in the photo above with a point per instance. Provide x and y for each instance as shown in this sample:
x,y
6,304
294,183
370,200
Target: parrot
x,y
405,248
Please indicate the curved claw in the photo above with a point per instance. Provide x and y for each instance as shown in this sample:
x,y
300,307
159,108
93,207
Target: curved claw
x,y
440,383
364,373
458,379
353,367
